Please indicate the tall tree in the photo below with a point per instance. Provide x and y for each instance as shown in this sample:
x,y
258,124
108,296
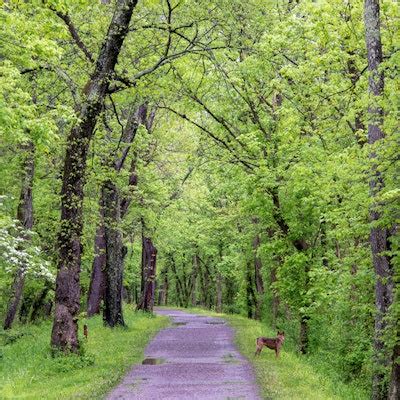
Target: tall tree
x,y
380,235
67,300
149,258
100,261
258,280
115,253
97,279
114,210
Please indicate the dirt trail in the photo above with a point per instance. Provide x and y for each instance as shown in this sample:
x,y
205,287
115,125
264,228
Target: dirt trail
x,y
193,359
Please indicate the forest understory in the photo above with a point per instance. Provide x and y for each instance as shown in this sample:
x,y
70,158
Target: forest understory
x,y
28,371
234,157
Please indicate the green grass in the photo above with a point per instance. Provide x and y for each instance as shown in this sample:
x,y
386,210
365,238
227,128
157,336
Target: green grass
x,y
291,377
27,370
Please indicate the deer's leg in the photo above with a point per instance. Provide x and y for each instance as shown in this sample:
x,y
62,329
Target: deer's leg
x,y
258,348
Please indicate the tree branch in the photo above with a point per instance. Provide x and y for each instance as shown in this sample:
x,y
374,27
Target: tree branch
x,y
247,164
74,34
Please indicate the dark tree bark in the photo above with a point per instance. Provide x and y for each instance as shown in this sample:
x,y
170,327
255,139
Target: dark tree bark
x,y
304,317
149,254
250,295
304,322
15,297
258,277
219,283
104,260
136,117
193,287
165,288
394,389
186,285
358,120
115,253
206,282
203,283
67,299
219,293
97,279
116,209
25,217
133,181
379,236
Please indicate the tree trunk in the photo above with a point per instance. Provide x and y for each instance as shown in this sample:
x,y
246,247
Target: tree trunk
x,y
203,294
193,288
133,181
185,285
25,217
219,293
179,286
115,253
258,278
305,318
219,283
275,297
304,334
250,295
15,297
149,254
359,127
67,298
166,288
379,236
205,279
394,389
97,279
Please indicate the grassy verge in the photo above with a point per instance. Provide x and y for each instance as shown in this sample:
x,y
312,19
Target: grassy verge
x,y
27,370
291,377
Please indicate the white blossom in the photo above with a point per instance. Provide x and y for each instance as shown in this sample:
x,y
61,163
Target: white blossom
x,y
17,252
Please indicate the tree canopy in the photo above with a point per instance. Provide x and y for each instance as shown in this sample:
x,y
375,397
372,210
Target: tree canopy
x,y
253,147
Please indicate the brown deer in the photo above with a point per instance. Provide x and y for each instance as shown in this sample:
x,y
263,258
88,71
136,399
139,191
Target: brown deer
x,y
271,343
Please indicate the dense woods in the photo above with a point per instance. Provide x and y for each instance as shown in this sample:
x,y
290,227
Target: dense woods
x,y
237,156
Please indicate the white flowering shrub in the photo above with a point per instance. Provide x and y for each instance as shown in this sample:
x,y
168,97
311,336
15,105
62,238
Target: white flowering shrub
x,y
19,252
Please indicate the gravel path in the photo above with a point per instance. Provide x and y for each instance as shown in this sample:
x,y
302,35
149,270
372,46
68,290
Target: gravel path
x,y
195,358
